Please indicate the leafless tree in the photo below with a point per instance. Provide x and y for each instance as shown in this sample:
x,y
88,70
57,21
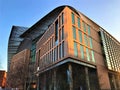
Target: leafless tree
x,y
18,76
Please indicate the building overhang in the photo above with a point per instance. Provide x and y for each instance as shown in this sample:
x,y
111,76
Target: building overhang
x,y
67,60
42,25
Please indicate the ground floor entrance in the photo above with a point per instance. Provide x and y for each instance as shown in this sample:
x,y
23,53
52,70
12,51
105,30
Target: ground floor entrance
x,y
69,76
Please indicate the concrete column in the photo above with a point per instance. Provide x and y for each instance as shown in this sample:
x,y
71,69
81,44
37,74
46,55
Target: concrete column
x,y
54,79
70,77
87,78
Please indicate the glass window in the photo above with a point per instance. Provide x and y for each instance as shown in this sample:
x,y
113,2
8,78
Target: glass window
x,y
84,27
38,57
56,32
54,55
88,56
73,18
82,51
91,46
50,43
78,22
59,21
62,33
62,50
75,49
89,30
85,39
80,35
62,18
48,46
93,57
74,32
50,56
33,52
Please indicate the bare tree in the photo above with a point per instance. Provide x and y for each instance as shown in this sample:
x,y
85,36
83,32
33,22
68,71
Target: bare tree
x,y
18,76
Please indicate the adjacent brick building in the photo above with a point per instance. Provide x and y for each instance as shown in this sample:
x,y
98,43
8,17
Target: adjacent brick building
x,y
72,52
3,78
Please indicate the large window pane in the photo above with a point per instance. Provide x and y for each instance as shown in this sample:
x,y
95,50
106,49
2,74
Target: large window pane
x,y
62,50
62,18
54,55
80,35
75,49
57,52
62,33
59,21
74,32
84,27
93,57
91,46
78,22
82,51
73,18
88,56
56,32
93,79
89,30
60,36
33,52
85,39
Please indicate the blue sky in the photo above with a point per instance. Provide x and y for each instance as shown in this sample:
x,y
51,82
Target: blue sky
x,y
106,13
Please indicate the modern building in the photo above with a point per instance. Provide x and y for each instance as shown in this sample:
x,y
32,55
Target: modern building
x,y
14,42
3,78
75,53
69,51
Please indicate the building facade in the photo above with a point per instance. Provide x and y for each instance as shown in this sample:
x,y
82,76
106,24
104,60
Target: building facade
x,y
73,55
69,51
3,78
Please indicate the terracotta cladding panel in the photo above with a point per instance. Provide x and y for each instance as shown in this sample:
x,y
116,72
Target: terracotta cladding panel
x,y
95,35
90,22
45,36
21,58
69,34
97,47
103,78
99,59
100,64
